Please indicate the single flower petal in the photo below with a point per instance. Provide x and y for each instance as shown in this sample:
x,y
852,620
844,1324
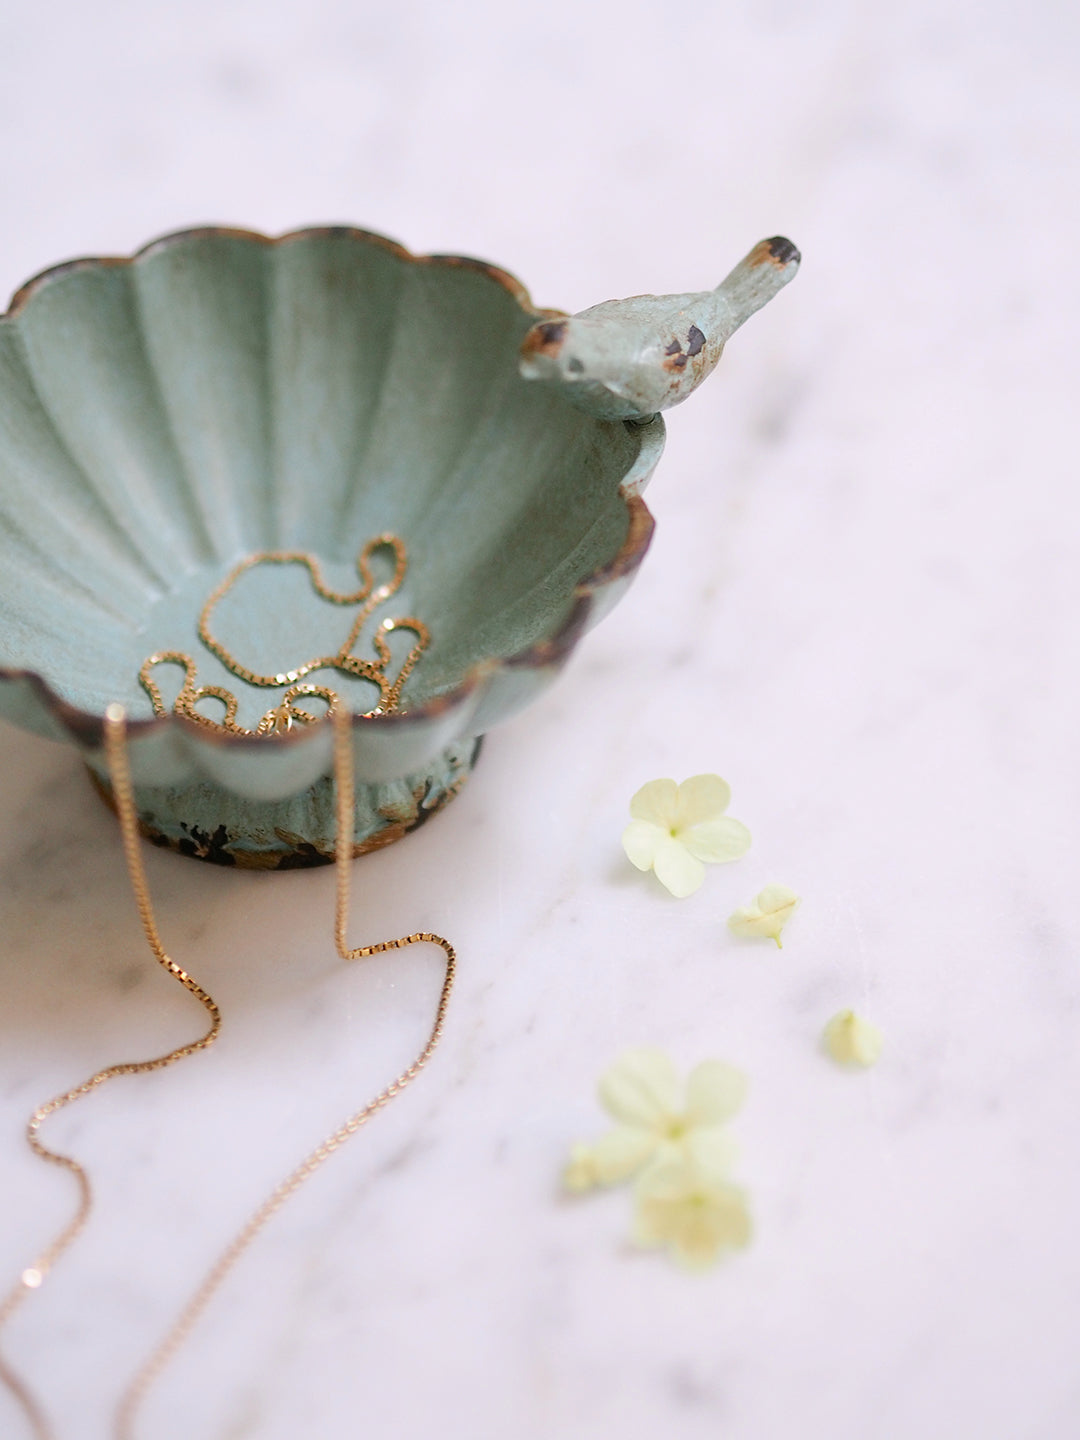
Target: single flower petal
x,y
622,1152
676,869
657,801
851,1040
702,797
767,914
715,1092
641,839
580,1173
641,1089
712,1151
717,841
776,898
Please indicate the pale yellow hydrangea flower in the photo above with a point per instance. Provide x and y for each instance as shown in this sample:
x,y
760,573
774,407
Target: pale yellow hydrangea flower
x,y
851,1040
696,1217
677,829
767,914
657,1121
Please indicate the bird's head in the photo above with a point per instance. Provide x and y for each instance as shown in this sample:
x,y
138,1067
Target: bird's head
x,y
575,354
558,350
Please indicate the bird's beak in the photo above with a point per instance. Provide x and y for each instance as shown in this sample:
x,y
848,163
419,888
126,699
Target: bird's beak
x,y
754,281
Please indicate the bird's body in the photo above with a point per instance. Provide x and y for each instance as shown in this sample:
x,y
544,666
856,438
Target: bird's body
x,y
628,359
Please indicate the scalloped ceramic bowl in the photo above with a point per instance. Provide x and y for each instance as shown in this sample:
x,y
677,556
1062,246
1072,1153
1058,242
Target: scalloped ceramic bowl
x,y
220,394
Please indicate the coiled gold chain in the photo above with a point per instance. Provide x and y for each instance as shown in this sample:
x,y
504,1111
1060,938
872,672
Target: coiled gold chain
x,y
287,713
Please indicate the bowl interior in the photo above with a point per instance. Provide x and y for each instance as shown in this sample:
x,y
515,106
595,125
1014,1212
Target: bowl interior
x,y
222,395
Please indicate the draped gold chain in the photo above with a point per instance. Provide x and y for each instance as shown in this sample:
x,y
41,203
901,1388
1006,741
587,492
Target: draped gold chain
x,y
116,753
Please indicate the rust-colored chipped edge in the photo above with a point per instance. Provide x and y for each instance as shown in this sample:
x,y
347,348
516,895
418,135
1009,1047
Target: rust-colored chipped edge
x,y
553,651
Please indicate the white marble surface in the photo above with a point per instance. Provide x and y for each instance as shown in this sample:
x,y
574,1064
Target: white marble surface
x,y
860,607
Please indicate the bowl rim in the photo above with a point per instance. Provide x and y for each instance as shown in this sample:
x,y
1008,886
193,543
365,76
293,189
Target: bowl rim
x,y
550,652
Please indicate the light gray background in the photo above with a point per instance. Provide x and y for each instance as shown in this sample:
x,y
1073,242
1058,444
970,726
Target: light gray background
x,y
860,607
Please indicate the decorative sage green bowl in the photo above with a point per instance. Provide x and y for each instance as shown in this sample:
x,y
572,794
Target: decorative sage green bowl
x,y
237,470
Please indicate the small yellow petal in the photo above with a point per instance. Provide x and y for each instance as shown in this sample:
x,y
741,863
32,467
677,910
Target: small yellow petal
x,y
641,1089
702,798
717,841
715,1092
851,1040
712,1151
641,839
622,1152
767,914
657,801
580,1173
676,869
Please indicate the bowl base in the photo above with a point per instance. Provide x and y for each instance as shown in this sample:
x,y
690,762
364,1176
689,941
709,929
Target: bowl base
x,y
207,822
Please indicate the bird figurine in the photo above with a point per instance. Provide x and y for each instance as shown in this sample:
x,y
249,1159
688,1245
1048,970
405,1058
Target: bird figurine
x,y
628,359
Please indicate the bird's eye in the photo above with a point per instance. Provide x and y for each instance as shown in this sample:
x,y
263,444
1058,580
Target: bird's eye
x,y
575,366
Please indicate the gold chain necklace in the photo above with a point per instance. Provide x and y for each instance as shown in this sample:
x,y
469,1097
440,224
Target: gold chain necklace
x,y
116,754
